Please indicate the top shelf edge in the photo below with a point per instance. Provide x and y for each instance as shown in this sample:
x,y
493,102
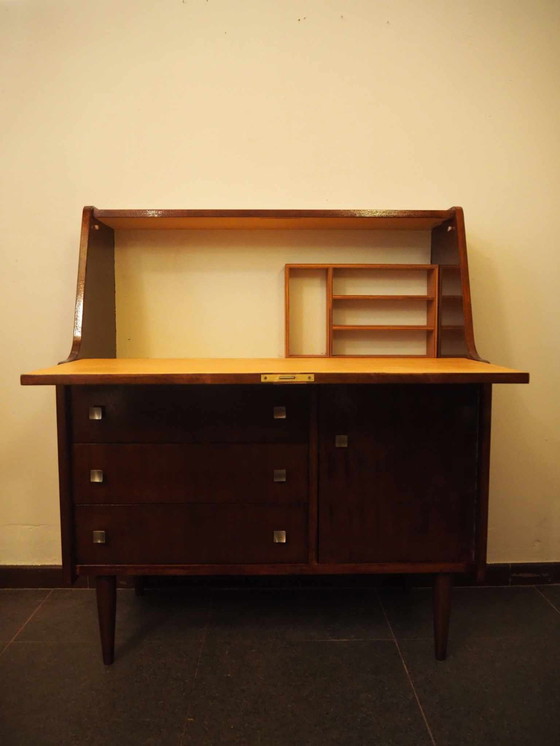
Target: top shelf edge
x,y
273,219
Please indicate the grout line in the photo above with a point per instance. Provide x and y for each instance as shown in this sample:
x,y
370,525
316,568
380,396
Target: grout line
x,y
29,618
188,717
407,672
547,599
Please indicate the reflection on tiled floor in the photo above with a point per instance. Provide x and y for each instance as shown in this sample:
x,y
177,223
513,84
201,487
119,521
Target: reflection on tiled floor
x,y
281,667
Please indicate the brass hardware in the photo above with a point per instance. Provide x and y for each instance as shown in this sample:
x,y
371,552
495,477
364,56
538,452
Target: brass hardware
x,y
96,475
279,413
279,537
99,537
96,413
341,441
279,475
287,377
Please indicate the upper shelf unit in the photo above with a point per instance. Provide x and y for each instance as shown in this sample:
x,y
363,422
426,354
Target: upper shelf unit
x,y
370,309
445,331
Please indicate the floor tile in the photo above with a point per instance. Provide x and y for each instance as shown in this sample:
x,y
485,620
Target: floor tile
x,y
16,606
297,614
70,616
552,594
502,691
475,612
61,694
274,693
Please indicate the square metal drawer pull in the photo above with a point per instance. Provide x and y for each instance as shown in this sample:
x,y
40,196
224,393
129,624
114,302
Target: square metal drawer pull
x,y
279,475
96,413
96,475
279,537
279,413
341,441
99,537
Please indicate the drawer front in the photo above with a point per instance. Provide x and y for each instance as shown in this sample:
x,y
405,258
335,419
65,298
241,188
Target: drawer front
x,y
201,473
190,534
190,414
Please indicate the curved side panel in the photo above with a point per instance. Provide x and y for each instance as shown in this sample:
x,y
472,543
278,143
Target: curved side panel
x,y
455,325
465,284
94,316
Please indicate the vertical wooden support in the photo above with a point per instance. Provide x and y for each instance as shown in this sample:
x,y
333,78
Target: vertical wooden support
x,y
484,425
106,590
287,310
329,339
442,610
312,508
64,422
432,314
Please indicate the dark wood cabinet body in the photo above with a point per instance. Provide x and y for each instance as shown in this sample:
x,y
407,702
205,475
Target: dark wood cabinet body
x,y
367,478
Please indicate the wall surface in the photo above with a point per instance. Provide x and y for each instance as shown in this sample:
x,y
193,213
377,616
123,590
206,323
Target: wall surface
x,y
292,104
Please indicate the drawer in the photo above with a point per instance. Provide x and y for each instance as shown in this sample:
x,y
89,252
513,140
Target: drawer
x,y
190,534
191,472
190,414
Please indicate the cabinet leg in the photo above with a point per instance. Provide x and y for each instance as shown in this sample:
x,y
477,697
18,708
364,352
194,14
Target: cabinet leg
x,y
442,610
106,590
139,585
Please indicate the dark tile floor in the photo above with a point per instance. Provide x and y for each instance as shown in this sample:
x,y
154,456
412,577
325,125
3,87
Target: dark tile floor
x,y
281,667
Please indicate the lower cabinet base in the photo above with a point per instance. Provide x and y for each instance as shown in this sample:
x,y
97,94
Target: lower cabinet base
x,y
106,585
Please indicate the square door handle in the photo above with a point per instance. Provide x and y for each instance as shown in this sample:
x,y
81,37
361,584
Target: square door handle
x,y
96,476
279,475
95,413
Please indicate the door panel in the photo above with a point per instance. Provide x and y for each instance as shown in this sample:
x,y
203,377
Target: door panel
x,y
404,488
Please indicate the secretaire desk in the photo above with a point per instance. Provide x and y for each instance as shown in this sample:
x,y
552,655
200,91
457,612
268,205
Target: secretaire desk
x,y
349,459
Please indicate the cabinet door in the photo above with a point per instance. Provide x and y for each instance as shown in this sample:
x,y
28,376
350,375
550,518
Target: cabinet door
x,y
397,473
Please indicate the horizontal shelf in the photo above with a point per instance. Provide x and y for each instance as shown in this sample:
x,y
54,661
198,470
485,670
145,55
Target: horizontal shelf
x,y
406,220
452,327
381,328
383,297
381,267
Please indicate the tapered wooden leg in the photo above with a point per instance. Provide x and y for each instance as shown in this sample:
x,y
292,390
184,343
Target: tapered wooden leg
x,y
106,589
139,585
442,610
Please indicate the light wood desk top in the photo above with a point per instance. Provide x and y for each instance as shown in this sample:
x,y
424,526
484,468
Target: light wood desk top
x,y
250,370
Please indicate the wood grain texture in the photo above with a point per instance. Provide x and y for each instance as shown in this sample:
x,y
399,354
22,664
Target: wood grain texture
x,y
64,437
182,534
192,472
289,568
190,414
405,487
273,219
245,370
95,310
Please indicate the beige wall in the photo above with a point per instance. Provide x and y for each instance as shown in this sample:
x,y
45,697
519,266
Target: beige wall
x,y
279,104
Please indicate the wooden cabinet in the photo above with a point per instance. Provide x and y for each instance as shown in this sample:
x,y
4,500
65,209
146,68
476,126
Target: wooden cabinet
x,y
317,464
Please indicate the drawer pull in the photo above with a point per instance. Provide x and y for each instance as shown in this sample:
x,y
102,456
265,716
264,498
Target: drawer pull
x,y
96,475
279,475
341,441
95,413
99,537
279,413
279,537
